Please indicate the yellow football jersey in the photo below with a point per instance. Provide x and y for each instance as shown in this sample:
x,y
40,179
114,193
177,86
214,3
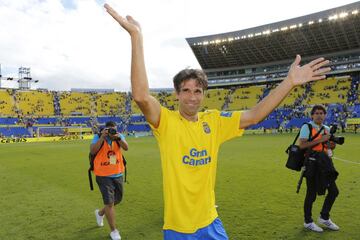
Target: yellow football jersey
x,y
189,159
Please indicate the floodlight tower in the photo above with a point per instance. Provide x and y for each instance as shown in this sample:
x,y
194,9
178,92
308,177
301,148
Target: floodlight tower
x,y
25,78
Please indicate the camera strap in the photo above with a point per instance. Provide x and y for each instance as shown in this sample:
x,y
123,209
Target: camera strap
x,y
315,136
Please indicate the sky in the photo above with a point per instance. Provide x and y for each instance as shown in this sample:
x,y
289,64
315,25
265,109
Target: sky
x,y
76,44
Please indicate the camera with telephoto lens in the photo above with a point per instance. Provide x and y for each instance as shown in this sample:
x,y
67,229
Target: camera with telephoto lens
x,y
112,131
339,140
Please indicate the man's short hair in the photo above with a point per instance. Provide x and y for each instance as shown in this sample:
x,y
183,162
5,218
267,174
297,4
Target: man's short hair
x,y
318,107
187,74
110,124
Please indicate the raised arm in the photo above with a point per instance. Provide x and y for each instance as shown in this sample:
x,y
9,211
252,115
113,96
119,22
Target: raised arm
x,y
95,147
139,82
297,75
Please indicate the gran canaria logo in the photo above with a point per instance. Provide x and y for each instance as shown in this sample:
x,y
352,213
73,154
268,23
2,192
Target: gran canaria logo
x,y
196,158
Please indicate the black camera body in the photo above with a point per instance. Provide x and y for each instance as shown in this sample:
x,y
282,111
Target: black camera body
x,y
338,140
112,131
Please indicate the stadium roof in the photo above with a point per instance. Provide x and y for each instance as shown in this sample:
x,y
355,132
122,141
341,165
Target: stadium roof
x,y
331,32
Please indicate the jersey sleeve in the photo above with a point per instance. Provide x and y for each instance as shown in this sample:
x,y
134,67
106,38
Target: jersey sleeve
x,y
164,116
228,123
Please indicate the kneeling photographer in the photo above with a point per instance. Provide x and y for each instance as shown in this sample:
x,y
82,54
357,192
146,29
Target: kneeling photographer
x,y
109,167
318,140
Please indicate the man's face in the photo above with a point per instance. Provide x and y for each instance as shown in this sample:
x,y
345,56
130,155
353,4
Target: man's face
x,y
318,117
190,97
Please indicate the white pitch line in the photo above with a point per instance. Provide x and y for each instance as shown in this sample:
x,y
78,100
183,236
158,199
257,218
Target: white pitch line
x,y
347,161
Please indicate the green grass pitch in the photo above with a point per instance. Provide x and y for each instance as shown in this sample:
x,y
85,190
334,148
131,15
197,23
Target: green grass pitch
x,y
44,191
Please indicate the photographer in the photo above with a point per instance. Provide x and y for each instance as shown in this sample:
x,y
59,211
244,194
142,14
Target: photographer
x,y
109,168
319,170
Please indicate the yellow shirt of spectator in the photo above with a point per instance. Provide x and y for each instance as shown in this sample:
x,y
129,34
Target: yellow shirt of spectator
x,y
189,159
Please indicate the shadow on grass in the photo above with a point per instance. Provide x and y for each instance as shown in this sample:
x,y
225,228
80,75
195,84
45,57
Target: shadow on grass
x,y
308,234
145,231
91,233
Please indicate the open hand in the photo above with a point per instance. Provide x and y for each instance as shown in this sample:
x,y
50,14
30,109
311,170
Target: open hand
x,y
312,71
128,23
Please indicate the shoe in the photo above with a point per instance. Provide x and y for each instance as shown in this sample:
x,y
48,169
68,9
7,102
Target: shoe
x,y
328,224
115,235
99,219
313,227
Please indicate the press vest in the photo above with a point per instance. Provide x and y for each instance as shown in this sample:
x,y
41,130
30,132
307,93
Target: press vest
x,y
321,147
102,164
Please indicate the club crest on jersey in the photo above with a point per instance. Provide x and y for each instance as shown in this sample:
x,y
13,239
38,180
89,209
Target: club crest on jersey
x,y
206,128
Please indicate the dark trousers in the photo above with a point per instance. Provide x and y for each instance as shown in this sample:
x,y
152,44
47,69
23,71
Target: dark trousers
x,y
310,198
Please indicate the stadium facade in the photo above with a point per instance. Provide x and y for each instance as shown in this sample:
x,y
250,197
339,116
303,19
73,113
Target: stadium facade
x,y
261,56
263,53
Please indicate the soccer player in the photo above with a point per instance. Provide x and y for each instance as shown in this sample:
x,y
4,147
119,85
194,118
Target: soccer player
x,y
189,140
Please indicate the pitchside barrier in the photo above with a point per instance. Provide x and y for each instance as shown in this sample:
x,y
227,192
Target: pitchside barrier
x,y
89,137
353,121
351,128
60,131
45,139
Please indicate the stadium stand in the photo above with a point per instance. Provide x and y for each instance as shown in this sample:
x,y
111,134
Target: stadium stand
x,y
215,98
110,103
167,99
245,97
242,67
7,103
36,103
14,132
331,90
75,103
